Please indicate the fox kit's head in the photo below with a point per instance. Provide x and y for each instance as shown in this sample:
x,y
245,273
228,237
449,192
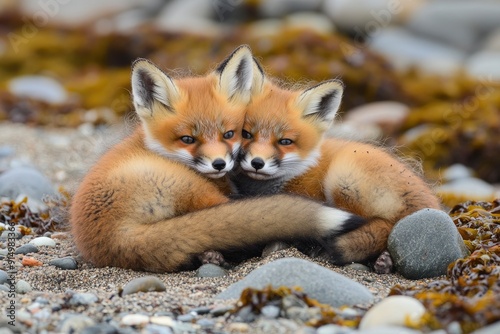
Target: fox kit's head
x,y
195,120
283,129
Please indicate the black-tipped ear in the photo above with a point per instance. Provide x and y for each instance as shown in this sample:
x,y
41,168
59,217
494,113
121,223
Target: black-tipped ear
x,y
235,74
258,77
321,101
150,84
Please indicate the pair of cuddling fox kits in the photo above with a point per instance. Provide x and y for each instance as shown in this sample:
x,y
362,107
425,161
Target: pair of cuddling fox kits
x,y
164,196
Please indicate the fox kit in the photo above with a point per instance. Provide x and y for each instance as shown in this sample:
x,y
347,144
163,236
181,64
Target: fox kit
x,y
284,150
158,199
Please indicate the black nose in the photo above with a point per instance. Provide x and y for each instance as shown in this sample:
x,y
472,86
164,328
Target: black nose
x,y
219,164
258,163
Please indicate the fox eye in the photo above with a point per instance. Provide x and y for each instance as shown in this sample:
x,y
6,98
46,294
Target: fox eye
x,y
285,141
246,135
187,139
228,135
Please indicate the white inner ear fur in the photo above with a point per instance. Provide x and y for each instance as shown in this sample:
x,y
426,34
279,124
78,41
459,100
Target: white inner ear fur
x,y
323,100
149,83
237,76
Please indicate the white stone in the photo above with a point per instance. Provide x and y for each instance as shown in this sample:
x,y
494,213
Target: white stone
x,y
265,28
134,320
307,20
471,188
43,241
193,16
404,49
456,171
163,321
393,311
362,16
38,87
388,115
484,65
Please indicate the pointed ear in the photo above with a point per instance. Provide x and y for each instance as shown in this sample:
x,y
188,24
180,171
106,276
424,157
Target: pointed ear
x,y
321,101
258,77
150,85
235,75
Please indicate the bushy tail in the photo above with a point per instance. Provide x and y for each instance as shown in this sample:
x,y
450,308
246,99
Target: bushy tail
x,y
170,244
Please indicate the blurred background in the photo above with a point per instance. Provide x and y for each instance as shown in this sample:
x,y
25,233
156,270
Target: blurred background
x,y
420,75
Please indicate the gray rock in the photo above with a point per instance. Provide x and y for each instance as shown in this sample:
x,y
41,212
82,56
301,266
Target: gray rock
x,y
22,287
491,329
100,329
424,243
334,329
4,288
144,284
26,249
205,323
484,65
210,270
458,23
10,234
404,49
186,317
4,276
65,263
85,298
155,329
75,323
38,87
25,181
389,330
270,311
279,8
316,281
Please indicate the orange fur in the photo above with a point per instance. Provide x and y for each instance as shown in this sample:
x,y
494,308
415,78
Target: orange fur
x,y
148,204
357,177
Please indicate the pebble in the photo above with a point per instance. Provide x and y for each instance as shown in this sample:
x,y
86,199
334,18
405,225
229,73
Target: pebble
x,y
424,243
39,88
9,234
186,317
156,329
163,321
43,241
4,277
470,188
100,329
143,284
318,282
205,323
456,171
31,262
65,263
6,151
393,311
312,21
334,329
389,116
270,311
23,287
221,310
389,330
484,65
211,270
200,310
84,298
75,323
358,266
240,327
26,181
491,329
135,320
26,249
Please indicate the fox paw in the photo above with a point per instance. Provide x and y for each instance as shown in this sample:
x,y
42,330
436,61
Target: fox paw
x,y
383,264
212,257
